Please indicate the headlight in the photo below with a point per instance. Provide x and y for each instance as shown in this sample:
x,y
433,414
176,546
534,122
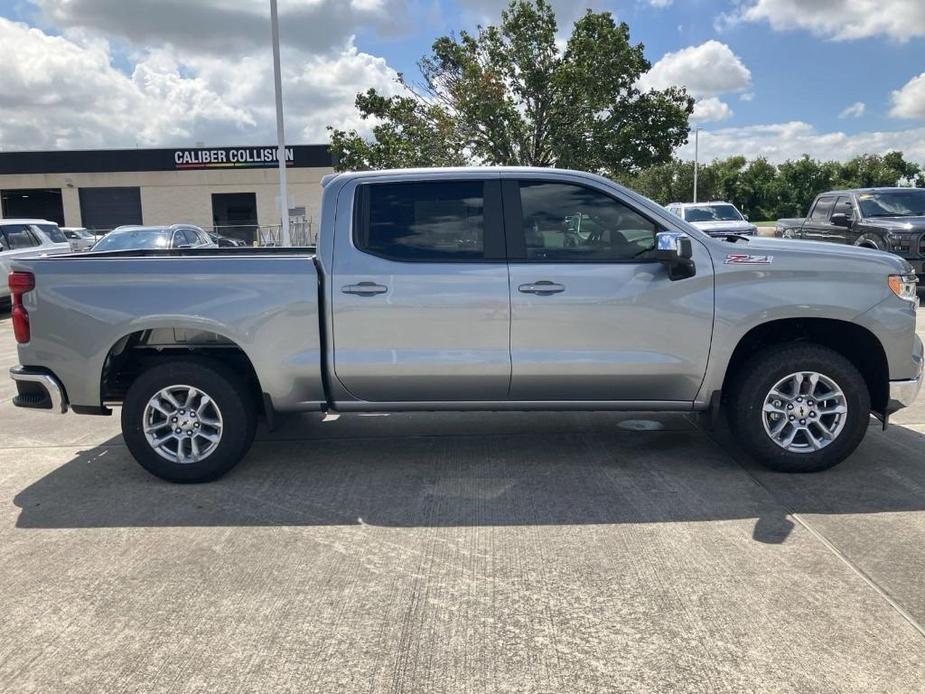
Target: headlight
x,y
904,286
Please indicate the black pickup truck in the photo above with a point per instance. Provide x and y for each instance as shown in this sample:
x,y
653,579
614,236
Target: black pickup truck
x,y
886,219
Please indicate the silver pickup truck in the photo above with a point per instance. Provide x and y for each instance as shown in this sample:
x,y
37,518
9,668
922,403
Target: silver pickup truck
x,y
473,289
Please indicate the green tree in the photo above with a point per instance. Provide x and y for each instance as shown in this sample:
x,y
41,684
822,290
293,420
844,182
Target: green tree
x,y
872,170
507,95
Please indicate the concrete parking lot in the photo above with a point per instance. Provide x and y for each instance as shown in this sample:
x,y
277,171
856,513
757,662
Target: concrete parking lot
x,y
459,553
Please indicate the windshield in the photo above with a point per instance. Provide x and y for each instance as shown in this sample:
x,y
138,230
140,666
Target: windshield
x,y
133,239
54,234
895,203
712,213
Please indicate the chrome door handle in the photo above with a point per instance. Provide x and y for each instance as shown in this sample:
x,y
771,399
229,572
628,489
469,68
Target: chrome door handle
x,y
542,288
365,289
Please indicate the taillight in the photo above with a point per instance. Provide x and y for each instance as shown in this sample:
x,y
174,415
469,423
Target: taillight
x,y
20,283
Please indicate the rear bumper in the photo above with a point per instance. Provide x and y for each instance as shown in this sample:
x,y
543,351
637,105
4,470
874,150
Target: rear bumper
x,y
38,390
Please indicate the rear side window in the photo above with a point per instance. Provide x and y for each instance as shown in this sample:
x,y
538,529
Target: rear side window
x,y
17,236
423,221
822,209
53,232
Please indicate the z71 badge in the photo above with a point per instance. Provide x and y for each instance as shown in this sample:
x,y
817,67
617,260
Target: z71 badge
x,y
745,259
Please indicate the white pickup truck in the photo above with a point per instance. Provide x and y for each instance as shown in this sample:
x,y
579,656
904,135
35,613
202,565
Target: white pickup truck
x,y
473,289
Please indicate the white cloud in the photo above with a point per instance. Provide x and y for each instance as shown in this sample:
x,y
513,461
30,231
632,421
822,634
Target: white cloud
x,y
839,19
660,3
909,101
746,96
781,141
856,110
706,70
710,110
227,26
567,11
64,92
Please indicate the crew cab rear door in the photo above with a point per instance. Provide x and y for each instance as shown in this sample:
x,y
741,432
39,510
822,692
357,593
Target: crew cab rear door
x,y
421,307
817,226
594,315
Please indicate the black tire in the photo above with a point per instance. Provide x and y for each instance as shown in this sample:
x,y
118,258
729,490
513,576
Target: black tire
x,y
871,241
231,396
764,371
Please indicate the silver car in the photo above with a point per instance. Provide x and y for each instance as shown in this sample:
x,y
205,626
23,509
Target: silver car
x,y
135,238
714,218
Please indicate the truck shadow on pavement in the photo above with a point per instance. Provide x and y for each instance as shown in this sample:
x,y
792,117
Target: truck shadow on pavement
x,y
419,471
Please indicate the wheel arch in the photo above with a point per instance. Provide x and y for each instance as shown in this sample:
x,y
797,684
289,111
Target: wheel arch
x,y
135,352
856,343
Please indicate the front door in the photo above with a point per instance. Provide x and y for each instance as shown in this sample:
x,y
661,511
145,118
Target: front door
x,y
421,309
593,315
841,234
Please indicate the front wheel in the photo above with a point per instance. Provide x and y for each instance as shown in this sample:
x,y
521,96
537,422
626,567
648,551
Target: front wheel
x,y
188,420
800,407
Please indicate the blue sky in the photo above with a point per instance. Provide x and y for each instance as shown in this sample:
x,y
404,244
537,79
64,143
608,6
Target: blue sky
x,y
776,77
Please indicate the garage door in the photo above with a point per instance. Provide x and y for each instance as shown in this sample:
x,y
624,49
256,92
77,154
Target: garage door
x,y
106,208
42,203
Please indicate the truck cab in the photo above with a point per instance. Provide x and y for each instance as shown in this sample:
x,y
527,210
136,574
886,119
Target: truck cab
x,y
883,219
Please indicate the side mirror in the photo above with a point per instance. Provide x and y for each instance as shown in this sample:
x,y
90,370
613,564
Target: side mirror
x,y
745,217
674,250
840,219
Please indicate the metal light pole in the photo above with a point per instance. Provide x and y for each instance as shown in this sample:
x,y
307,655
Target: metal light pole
x,y
696,159
280,132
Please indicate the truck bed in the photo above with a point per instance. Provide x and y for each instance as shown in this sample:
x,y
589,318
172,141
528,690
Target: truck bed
x,y
90,309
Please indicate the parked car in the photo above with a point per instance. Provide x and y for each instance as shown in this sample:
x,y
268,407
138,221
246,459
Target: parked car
x,y
132,238
455,289
20,238
715,218
883,219
50,230
225,242
81,239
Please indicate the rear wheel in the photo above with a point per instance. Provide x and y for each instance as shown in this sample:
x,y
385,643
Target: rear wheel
x,y
800,408
188,420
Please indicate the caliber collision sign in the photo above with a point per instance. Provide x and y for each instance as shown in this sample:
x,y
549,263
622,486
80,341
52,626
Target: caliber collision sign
x,y
230,158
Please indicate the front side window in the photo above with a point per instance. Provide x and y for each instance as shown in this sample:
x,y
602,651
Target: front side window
x,y
822,209
185,237
18,236
843,206
567,222
422,221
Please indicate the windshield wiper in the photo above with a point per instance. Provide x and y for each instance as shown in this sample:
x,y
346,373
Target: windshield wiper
x,y
736,237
